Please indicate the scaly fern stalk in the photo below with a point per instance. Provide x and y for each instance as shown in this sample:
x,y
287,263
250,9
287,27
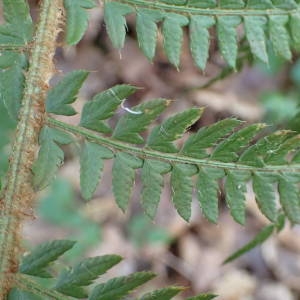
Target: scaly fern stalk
x,y
18,194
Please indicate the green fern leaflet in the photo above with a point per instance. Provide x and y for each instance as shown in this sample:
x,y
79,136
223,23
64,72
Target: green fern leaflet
x,y
77,282
228,154
263,21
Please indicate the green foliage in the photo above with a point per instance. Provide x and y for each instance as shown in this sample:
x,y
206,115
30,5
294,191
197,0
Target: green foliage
x,y
18,294
12,74
91,166
103,106
7,125
50,156
130,125
119,287
15,33
255,27
199,38
163,294
64,93
235,186
116,23
227,155
18,27
279,36
227,38
207,191
70,282
173,36
277,21
123,173
77,19
162,136
38,260
206,137
77,282
182,188
228,151
146,30
263,186
203,297
153,181
289,193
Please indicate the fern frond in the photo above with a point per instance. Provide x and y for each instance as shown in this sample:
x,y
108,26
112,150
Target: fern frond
x,y
75,283
277,21
227,150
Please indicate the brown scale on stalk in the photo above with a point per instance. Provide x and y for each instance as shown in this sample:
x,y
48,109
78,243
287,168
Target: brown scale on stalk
x,y
18,196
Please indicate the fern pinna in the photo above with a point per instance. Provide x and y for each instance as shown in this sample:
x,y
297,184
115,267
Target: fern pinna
x,y
74,282
228,151
265,24
263,20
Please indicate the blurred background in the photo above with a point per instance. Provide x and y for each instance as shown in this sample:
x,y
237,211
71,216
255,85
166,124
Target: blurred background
x,y
181,253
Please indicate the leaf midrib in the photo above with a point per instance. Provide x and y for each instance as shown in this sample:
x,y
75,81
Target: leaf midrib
x,y
169,157
209,11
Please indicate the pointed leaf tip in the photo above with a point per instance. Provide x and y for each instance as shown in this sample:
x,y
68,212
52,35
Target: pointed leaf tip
x,y
119,287
131,124
72,281
103,106
36,262
162,136
114,17
64,93
77,19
